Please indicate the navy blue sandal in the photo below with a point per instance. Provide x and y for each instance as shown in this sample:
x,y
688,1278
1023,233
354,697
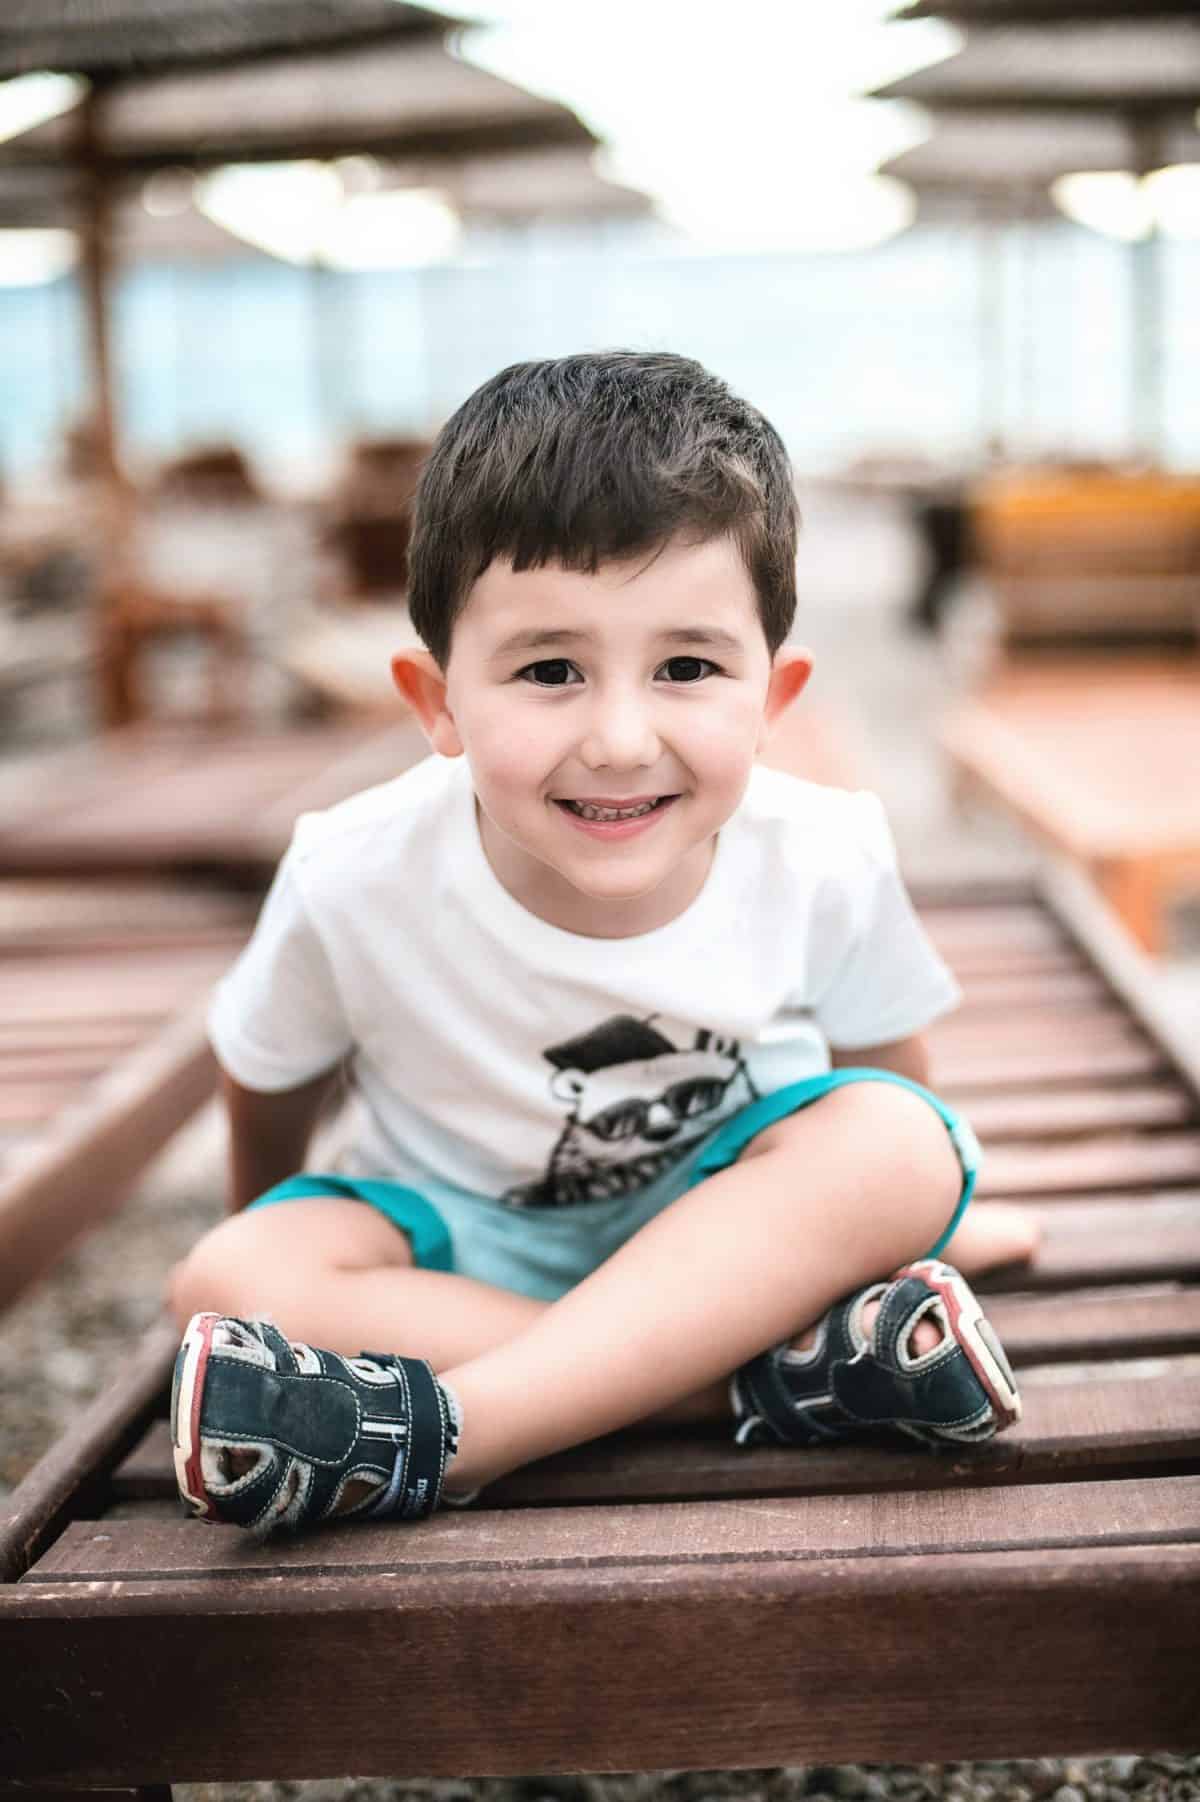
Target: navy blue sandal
x,y
268,1432
849,1386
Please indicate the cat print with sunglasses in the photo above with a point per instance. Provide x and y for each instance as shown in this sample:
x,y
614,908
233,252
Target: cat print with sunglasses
x,y
637,1103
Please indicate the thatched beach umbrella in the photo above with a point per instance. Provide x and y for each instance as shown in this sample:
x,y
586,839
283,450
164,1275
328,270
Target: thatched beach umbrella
x,y
183,83
992,171
1044,12
1134,78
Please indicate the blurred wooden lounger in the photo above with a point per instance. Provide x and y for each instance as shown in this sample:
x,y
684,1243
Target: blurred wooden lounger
x,y
1100,759
654,1602
103,1052
162,798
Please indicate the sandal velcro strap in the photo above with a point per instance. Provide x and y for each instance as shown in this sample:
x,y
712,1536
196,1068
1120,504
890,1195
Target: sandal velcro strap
x,y
269,1432
849,1385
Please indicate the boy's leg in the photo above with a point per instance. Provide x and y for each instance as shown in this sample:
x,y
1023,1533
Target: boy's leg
x,y
338,1273
817,1205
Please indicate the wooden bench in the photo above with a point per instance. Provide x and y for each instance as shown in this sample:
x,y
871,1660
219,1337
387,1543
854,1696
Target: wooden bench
x,y
103,1052
172,798
1100,760
650,1602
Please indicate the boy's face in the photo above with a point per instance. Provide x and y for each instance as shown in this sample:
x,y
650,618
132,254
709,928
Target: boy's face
x,y
647,682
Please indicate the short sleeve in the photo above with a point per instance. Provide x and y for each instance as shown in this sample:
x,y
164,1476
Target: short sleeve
x,y
276,1020
883,979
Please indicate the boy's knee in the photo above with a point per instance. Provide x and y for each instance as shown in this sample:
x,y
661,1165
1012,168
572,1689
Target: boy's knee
x,y
898,1141
216,1276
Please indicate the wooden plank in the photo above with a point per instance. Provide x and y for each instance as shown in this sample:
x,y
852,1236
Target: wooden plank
x,y
1024,926
1126,970
73,1474
105,1036
1002,963
1109,1024
1082,1326
605,1669
1070,1113
1092,1166
963,1072
157,798
44,910
1161,1511
1142,1417
1126,1239
79,1174
1094,762
992,993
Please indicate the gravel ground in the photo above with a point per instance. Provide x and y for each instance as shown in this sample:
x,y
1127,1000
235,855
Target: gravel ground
x,y
64,1342
1158,1777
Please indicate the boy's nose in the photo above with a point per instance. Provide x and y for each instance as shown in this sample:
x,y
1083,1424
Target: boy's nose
x,y
620,734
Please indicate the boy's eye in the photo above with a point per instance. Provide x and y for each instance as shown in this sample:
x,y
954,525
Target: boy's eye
x,y
551,672
688,669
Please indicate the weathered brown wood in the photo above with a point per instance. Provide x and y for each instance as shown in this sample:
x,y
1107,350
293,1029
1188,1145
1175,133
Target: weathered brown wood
x,y
158,798
88,984
1125,971
988,962
1093,1166
1021,926
1068,1064
1091,760
1060,990
1071,1113
510,1542
1105,1024
79,1174
1141,1417
1085,1326
37,912
105,1036
666,1600
73,1475
607,1668
1128,1239
143,1792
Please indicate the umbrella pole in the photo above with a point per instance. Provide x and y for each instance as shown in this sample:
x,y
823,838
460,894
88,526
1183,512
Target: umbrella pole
x,y
114,650
1146,260
991,332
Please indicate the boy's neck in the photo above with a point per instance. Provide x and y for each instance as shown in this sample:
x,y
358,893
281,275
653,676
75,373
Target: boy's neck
x,y
541,891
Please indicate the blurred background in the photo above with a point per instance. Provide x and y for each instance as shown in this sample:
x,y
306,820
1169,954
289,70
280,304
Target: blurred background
x,y
251,258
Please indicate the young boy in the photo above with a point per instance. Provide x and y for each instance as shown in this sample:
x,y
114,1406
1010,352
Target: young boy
x,y
633,1020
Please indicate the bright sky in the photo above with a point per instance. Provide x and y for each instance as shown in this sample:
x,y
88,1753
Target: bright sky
x,y
740,118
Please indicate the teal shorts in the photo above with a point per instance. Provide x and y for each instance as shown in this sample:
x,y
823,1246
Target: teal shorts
x,y
543,1252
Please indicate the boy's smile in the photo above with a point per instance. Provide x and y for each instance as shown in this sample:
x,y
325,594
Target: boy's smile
x,y
611,721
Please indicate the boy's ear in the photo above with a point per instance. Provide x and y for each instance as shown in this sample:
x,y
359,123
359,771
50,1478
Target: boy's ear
x,y
419,679
789,673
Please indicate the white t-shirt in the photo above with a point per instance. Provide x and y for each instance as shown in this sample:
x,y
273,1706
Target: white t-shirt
x,y
502,1055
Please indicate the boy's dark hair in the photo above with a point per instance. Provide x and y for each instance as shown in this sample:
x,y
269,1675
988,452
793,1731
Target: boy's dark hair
x,y
580,460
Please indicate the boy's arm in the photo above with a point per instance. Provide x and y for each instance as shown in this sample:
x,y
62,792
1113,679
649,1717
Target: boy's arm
x,y
269,1133
907,1057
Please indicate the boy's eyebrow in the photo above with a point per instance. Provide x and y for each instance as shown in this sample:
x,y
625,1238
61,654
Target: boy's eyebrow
x,y
537,638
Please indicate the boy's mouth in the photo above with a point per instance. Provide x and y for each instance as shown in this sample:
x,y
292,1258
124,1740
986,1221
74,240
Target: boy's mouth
x,y
633,809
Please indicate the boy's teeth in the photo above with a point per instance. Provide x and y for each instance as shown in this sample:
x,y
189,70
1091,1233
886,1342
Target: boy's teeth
x,y
588,812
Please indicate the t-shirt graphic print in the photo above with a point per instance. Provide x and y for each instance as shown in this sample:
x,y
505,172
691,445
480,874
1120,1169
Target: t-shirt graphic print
x,y
635,1102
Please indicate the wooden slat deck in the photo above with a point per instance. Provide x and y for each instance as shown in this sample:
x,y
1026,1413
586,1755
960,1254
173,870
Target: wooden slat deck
x,y
673,1601
154,797
103,1052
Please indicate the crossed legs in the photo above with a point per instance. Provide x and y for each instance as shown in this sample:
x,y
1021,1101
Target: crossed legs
x,y
817,1205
